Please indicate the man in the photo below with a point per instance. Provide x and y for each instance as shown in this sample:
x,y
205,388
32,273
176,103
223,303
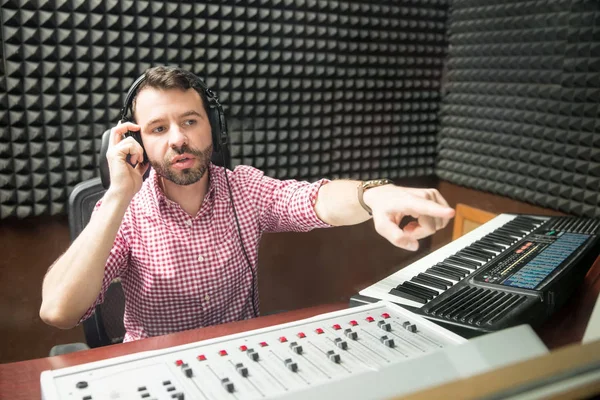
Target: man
x,y
173,239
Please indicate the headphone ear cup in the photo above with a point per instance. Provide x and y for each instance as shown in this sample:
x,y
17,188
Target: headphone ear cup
x,y
215,126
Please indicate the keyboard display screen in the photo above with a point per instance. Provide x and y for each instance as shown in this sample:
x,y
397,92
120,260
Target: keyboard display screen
x,y
544,263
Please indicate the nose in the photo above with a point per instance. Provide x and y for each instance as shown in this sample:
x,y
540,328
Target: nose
x,y
177,137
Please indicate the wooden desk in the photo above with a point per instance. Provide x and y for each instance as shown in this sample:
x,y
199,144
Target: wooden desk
x,y
21,380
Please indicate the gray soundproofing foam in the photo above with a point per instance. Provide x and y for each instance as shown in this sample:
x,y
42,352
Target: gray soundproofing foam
x,y
312,88
520,113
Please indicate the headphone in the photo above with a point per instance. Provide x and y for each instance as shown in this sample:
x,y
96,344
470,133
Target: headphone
x,y
216,116
218,125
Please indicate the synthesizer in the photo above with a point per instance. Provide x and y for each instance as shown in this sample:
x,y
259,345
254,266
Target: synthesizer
x,y
343,353
514,269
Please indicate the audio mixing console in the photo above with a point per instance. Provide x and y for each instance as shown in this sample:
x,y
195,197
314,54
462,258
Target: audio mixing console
x,y
320,356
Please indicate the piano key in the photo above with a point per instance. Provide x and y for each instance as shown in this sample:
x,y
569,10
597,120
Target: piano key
x,y
487,250
463,262
431,281
471,254
460,264
496,247
444,273
424,289
510,232
502,239
463,272
492,248
408,294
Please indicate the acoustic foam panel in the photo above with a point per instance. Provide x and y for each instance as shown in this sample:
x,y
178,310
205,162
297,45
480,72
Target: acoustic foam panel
x,y
311,88
521,100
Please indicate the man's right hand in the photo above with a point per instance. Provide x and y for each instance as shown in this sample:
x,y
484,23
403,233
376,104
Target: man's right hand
x,y
125,180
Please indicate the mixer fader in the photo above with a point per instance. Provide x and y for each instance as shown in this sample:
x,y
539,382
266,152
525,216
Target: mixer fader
x,y
261,363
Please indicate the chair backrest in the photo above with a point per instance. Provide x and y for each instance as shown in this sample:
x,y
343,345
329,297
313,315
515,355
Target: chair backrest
x,y
216,158
105,326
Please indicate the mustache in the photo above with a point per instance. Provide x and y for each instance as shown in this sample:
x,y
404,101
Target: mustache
x,y
187,149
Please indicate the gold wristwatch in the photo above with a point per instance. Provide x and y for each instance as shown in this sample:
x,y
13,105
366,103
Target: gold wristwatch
x,y
368,185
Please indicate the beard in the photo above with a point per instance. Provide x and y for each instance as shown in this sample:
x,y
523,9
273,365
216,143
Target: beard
x,y
186,176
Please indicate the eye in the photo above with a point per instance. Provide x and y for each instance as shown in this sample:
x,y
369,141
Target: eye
x,y
189,122
158,129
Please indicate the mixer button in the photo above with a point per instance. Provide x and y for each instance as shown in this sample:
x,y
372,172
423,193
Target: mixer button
x,y
201,357
227,384
411,328
166,383
353,323
383,338
243,348
389,343
298,349
179,363
222,353
337,327
370,319
171,389
144,395
282,339
178,396
385,315
88,397
142,388
301,335
335,358
188,372
319,331
263,344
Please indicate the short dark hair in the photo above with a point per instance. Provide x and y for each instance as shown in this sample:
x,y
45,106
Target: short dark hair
x,y
165,78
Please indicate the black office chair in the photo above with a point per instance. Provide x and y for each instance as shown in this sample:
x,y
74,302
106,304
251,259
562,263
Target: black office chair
x,y
105,326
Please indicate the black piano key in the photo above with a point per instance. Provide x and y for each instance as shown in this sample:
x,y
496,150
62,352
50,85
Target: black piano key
x,y
441,273
461,271
518,225
473,254
435,282
455,297
510,232
504,310
439,268
426,291
501,239
491,246
490,241
485,250
464,262
408,294
458,264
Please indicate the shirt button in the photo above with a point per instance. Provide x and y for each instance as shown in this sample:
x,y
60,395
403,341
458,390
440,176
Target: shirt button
x,y
200,258
206,297
188,222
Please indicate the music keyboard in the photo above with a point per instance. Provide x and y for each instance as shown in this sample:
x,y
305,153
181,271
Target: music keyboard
x,y
513,269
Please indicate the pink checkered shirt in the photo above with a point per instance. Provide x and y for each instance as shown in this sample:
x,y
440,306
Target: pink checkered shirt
x,y
180,272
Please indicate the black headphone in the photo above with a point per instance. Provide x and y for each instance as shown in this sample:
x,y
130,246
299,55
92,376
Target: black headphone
x,y
216,116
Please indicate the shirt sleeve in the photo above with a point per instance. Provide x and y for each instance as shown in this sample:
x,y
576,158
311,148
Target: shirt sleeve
x,y
115,264
283,205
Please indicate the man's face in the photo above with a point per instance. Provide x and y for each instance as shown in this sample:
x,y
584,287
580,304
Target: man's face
x,y
176,133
